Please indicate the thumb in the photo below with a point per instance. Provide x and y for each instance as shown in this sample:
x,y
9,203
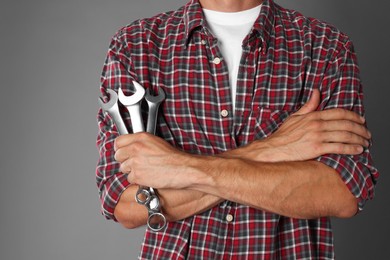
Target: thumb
x,y
310,105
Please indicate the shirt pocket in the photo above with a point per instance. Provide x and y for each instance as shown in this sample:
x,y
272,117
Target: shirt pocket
x,y
268,120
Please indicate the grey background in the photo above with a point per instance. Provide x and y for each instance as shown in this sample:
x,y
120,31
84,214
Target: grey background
x,y
51,55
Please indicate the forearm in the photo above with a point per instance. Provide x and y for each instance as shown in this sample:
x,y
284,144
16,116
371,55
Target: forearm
x,y
273,174
296,189
180,204
184,203
176,205
300,189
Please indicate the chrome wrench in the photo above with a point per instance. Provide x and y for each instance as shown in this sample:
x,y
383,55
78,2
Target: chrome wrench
x,y
133,105
156,220
112,108
144,194
153,104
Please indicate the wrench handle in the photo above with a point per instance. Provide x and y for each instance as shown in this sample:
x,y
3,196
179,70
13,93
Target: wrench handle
x,y
152,118
136,118
116,116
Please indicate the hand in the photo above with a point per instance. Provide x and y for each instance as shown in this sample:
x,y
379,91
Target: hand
x,y
150,161
308,134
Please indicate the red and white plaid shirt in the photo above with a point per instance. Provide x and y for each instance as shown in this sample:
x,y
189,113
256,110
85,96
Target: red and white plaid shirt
x,y
285,57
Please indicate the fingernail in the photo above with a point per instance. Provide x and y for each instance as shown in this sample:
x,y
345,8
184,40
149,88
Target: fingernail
x,y
362,119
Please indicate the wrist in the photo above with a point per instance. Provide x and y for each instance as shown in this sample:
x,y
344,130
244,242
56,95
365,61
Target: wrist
x,y
259,150
200,168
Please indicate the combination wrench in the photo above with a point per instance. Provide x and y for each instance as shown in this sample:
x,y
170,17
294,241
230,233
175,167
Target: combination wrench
x,y
112,108
153,105
133,105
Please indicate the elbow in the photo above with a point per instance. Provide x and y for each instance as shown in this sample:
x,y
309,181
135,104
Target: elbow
x,y
128,216
128,224
348,209
121,218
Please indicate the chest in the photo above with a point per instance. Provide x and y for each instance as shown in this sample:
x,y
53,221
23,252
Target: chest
x,y
273,81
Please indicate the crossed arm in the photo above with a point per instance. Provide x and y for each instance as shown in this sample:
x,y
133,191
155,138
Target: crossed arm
x,y
277,174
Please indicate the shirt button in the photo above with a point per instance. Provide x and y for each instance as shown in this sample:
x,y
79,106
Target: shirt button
x,y
203,42
224,113
229,217
217,61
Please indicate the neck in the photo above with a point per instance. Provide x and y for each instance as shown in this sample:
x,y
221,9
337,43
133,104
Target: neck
x,y
229,5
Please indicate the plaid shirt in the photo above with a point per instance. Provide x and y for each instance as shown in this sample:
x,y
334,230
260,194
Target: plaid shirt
x,y
285,57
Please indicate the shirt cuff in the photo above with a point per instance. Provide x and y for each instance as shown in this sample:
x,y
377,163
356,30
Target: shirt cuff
x,y
356,172
113,189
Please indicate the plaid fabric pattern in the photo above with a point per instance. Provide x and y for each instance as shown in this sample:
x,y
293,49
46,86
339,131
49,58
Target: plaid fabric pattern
x,y
285,57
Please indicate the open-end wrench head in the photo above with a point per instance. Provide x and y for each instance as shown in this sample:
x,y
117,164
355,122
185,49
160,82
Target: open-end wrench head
x,y
155,99
133,99
113,99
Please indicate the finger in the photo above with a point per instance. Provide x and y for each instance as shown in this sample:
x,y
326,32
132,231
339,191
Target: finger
x,y
130,178
125,167
345,137
122,154
340,114
338,148
346,125
311,105
121,141
125,140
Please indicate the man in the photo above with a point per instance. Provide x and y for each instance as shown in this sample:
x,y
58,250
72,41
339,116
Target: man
x,y
262,135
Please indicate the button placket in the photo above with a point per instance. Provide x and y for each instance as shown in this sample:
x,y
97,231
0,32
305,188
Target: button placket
x,y
220,84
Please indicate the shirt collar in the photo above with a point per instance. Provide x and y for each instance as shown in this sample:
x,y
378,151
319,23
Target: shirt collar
x,y
193,18
264,25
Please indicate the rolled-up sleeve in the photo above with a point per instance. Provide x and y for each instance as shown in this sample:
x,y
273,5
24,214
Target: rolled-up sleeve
x,y
117,72
341,88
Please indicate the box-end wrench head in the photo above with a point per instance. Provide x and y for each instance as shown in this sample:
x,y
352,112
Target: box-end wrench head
x,y
153,104
112,108
133,105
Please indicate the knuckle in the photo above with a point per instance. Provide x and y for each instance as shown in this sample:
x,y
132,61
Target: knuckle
x,y
142,136
136,147
364,131
317,148
341,112
348,136
338,113
116,143
123,167
316,124
314,115
348,125
122,154
316,136
117,156
340,148
132,162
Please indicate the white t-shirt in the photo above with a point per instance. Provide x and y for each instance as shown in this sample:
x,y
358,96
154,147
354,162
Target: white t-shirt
x,y
230,29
